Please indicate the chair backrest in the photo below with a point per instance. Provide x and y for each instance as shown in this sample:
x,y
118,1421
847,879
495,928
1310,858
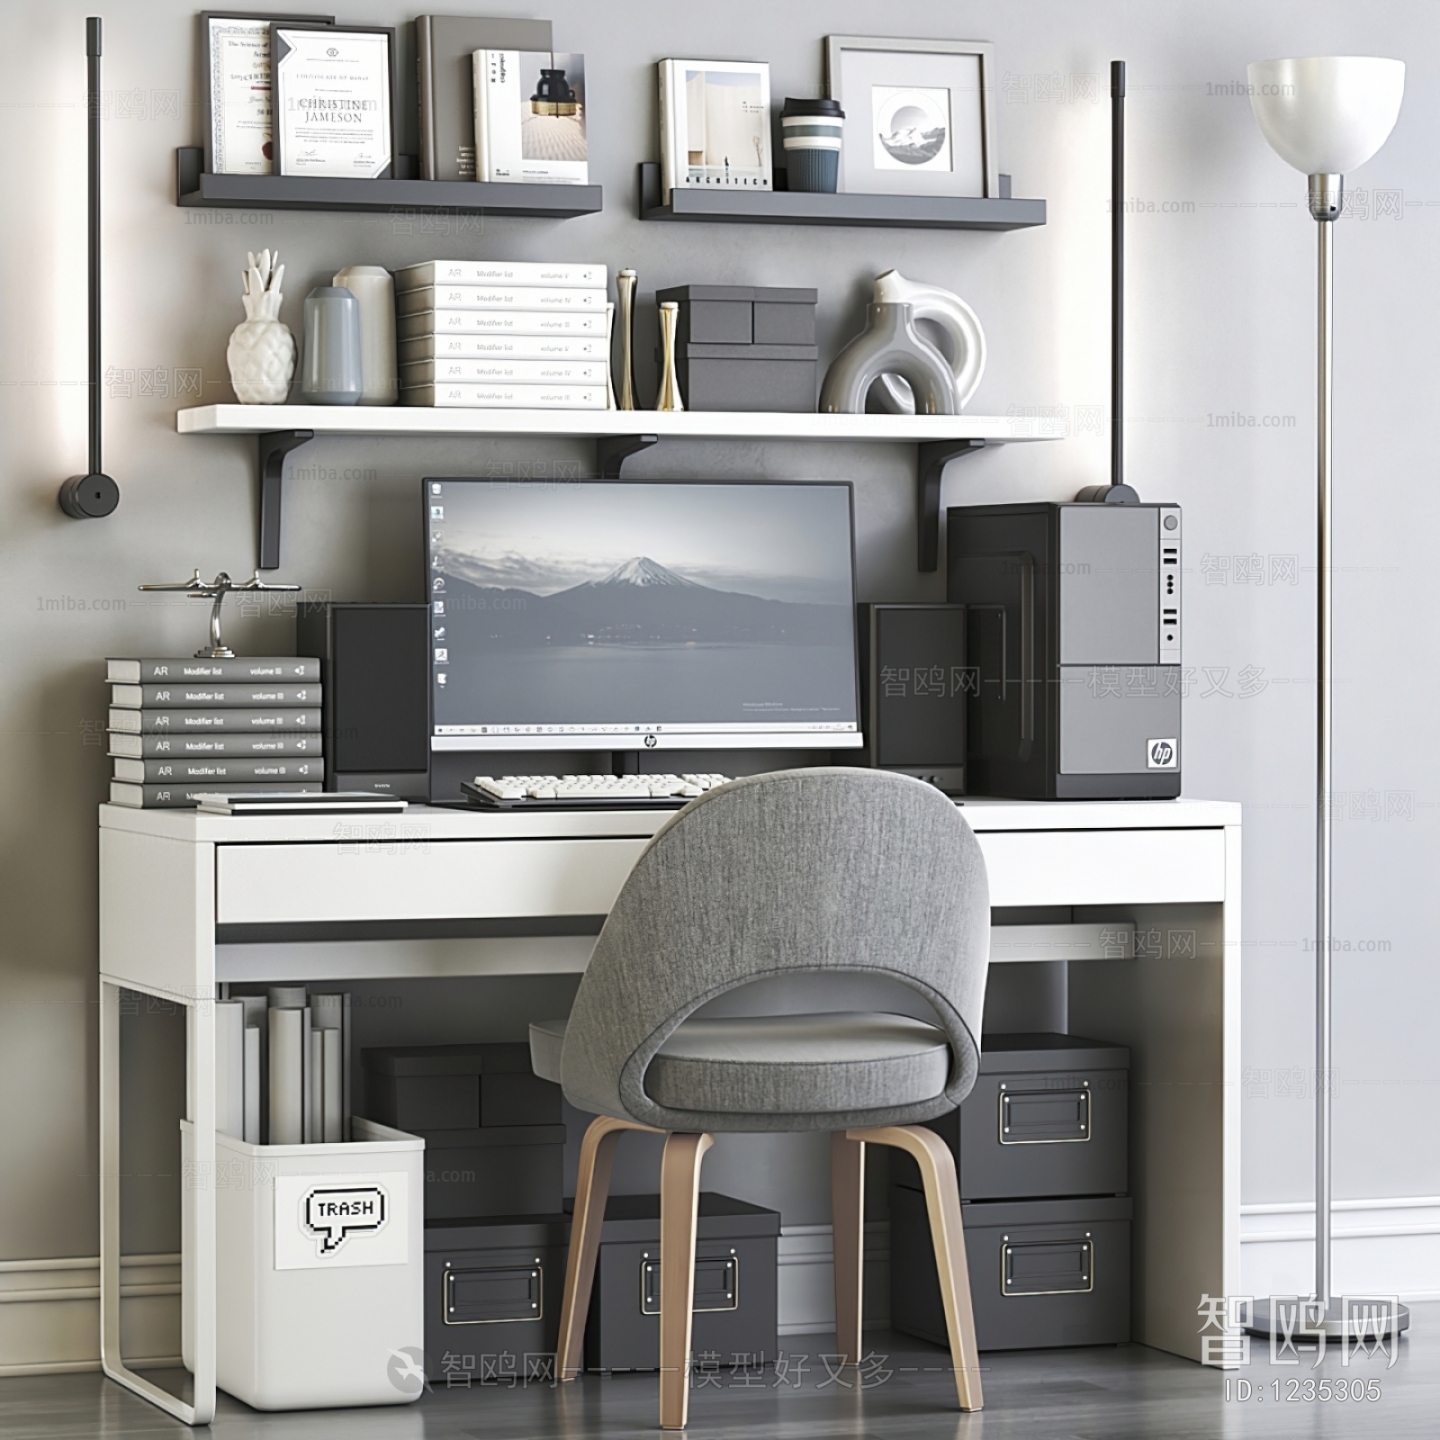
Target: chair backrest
x,y
832,869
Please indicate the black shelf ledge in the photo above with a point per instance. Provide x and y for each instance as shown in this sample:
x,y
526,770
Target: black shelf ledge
x,y
794,207
194,188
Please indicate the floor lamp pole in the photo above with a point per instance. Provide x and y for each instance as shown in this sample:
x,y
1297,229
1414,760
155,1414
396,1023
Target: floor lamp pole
x,y
1323,736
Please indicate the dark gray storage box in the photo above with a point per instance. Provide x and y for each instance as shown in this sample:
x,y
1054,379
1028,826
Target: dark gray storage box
x,y
743,314
1049,1115
492,1298
747,377
500,1170
1043,1273
457,1087
735,1285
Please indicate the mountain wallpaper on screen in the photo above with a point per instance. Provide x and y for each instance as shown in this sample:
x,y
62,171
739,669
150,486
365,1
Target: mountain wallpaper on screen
x,y
639,602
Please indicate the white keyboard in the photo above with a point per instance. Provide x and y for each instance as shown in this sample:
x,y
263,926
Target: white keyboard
x,y
521,792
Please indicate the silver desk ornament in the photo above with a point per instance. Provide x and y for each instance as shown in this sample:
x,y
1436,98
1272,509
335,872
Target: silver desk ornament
x,y
215,591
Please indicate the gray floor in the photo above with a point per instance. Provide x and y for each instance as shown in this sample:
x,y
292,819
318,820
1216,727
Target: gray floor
x,y
1129,1393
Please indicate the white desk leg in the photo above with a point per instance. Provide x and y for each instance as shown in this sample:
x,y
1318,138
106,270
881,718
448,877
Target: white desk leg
x,y
197,1192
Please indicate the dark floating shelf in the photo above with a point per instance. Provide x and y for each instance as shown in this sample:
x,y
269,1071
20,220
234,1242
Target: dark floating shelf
x,y
194,188
794,207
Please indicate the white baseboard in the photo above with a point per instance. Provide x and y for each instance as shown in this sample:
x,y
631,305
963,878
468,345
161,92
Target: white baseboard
x,y
50,1313
1378,1247
807,1278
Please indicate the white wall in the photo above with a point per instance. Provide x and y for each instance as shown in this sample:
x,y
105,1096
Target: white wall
x,y
1221,267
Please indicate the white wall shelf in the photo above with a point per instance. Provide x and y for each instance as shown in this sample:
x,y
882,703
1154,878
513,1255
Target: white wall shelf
x,y
618,434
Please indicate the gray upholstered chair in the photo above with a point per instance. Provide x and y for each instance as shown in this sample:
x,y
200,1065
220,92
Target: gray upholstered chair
x,y
824,870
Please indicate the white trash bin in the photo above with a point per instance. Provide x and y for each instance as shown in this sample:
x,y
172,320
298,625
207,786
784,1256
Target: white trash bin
x,y
320,1286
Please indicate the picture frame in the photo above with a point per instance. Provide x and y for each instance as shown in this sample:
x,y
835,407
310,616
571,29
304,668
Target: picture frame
x,y
334,97
715,125
234,56
919,118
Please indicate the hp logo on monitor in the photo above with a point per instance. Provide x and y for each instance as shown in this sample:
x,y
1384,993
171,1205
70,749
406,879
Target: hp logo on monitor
x,y
1162,754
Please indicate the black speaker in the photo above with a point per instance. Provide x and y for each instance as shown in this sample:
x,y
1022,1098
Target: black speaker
x,y
914,688
375,686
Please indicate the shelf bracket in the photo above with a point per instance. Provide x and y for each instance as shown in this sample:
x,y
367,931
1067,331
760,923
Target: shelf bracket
x,y
275,447
932,459
612,451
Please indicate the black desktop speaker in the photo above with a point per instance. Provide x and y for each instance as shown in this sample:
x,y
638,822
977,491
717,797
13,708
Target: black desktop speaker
x,y
375,687
913,691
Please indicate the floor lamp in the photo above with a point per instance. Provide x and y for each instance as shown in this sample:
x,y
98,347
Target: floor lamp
x,y
1325,116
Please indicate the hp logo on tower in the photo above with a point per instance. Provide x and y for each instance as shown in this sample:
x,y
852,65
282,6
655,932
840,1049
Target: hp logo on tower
x,y
1162,754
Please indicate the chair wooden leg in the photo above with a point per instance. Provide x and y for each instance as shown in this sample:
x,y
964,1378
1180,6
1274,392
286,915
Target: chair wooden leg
x,y
592,1188
847,1205
942,1201
679,1203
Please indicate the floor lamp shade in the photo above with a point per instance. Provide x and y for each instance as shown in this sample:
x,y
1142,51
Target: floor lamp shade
x,y
1326,115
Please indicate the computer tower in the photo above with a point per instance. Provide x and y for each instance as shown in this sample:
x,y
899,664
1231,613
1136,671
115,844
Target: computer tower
x,y
913,691
375,693
1073,618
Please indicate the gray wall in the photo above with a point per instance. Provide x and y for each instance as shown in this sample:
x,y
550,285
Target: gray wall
x,y
1220,290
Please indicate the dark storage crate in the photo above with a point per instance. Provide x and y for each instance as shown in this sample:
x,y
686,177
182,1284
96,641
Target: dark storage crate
x,y
1043,1273
457,1087
1048,1116
501,1170
743,314
492,1298
766,378
735,1286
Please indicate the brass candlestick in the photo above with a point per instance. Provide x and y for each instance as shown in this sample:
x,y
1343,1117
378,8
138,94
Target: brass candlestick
x,y
669,397
626,284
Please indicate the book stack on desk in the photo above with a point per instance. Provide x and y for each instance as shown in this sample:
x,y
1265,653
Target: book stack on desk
x,y
183,727
506,335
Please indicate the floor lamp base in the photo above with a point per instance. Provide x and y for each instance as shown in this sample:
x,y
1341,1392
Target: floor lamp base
x,y
1353,1318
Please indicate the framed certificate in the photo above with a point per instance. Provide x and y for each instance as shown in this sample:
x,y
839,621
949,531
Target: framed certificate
x,y
334,100
235,89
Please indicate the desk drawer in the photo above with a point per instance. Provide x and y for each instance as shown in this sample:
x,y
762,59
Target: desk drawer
x,y
425,880
1104,867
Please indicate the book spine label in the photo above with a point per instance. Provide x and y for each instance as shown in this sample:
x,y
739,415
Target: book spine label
x,y
497,297
498,347
170,696
199,746
159,771
159,722
501,272
184,796
502,322
502,372
508,397
287,669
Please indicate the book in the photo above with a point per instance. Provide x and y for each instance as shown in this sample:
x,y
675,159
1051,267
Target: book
x,y
498,297
550,273
530,117
160,771
184,795
159,722
503,372
252,1053
197,746
508,397
444,45
230,1068
714,125
503,347
169,695
501,322
287,1074
291,668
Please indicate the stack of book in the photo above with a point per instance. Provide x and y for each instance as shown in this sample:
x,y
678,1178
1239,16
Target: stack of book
x,y
520,335
180,728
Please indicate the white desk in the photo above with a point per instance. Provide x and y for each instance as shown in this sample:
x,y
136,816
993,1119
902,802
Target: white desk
x,y
188,901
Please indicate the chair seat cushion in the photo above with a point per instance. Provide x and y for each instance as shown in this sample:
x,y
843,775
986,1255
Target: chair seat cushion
x,y
547,1038
799,1064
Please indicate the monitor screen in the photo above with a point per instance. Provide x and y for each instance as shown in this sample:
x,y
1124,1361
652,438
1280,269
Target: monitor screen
x,y
612,614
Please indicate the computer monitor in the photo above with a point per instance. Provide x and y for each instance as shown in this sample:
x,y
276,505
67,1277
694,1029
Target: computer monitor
x,y
628,615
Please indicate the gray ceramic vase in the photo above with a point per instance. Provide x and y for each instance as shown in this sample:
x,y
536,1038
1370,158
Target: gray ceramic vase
x,y
330,364
889,345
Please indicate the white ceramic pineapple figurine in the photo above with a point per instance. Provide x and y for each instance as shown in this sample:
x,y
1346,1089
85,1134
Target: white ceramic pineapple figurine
x,y
261,354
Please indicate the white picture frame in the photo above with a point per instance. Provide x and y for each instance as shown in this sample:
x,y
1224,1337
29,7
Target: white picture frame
x,y
918,115
715,125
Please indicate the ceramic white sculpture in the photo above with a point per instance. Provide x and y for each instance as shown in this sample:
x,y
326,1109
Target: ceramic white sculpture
x,y
261,353
958,323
